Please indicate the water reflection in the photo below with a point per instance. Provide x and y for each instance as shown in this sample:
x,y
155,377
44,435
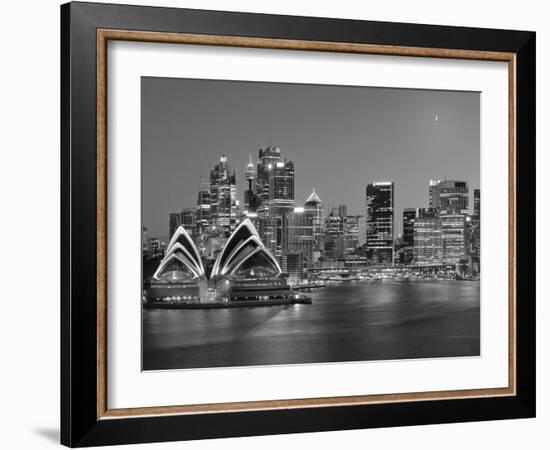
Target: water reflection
x,y
353,321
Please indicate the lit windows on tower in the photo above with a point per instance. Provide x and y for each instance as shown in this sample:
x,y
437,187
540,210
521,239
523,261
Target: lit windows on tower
x,y
427,243
380,204
251,199
275,197
314,207
409,216
223,195
449,196
455,237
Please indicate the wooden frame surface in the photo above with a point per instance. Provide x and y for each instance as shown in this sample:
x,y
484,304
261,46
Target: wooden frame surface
x,y
103,36
130,24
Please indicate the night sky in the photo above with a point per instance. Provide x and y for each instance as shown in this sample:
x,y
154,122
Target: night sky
x,y
340,138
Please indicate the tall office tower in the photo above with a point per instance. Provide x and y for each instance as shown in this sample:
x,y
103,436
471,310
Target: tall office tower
x,y
455,237
296,266
267,229
188,218
343,210
281,187
476,228
335,233
174,223
300,238
250,173
202,220
314,207
275,192
362,238
450,197
409,215
431,186
223,195
251,199
427,243
380,222
281,201
351,234
267,158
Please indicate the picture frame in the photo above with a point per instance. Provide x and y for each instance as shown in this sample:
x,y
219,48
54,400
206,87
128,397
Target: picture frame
x,y
86,418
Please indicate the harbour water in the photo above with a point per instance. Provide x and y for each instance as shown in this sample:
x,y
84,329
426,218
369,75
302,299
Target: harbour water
x,y
348,321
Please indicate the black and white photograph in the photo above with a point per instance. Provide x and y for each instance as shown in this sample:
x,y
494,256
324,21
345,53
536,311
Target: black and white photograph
x,y
300,223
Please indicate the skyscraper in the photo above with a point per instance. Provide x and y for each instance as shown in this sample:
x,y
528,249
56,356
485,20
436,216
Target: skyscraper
x,y
223,195
334,241
251,199
173,223
186,218
362,232
431,187
267,157
351,234
449,196
476,232
281,201
314,207
380,203
202,219
281,188
455,237
300,238
275,192
427,243
476,222
409,216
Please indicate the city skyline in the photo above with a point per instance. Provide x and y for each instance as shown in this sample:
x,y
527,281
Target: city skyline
x,y
284,205
396,224
302,237
162,137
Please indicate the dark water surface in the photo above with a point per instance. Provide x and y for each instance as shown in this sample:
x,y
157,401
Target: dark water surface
x,y
351,321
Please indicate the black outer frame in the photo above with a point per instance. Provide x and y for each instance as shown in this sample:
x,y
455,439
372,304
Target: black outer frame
x,y
79,423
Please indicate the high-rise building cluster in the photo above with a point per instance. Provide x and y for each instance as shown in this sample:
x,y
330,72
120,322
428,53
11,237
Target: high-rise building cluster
x,y
445,232
305,238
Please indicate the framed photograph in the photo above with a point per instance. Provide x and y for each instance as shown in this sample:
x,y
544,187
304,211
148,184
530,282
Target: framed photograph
x,y
277,224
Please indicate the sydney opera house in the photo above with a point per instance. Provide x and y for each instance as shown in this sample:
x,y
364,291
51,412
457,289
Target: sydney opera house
x,y
244,270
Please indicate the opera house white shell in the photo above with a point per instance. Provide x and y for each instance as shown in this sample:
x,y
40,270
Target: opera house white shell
x,y
244,269
245,255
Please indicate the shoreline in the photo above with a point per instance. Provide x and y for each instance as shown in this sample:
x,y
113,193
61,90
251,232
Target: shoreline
x,y
230,304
